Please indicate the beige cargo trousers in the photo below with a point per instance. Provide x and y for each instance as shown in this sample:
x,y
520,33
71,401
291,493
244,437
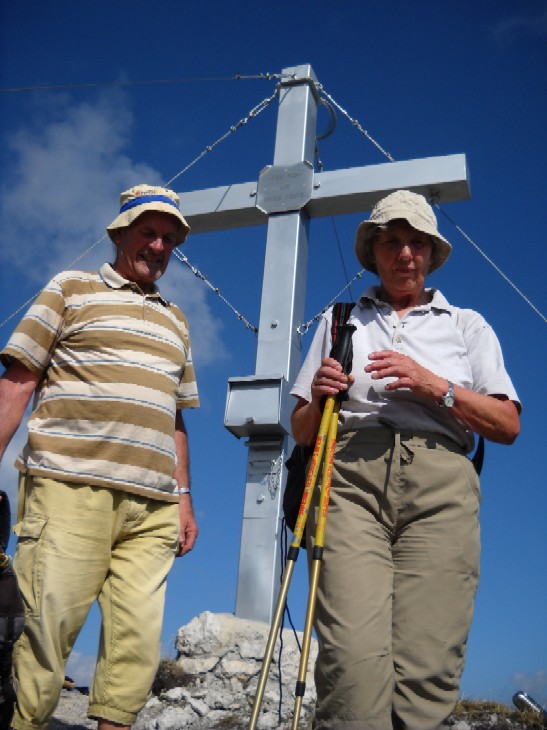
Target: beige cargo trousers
x,y
398,581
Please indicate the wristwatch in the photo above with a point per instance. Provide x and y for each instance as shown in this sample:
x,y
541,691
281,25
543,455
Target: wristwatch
x,y
448,399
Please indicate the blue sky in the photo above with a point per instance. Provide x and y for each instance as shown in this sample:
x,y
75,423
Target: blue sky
x,y
423,79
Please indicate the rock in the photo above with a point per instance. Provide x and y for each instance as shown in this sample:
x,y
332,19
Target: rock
x,y
174,718
224,656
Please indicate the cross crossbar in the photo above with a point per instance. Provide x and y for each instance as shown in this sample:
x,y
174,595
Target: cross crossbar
x,y
341,192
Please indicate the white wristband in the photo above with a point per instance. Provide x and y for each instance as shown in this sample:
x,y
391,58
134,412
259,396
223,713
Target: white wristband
x,y
183,490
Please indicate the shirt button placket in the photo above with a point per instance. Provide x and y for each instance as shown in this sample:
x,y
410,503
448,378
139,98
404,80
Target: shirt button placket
x,y
397,339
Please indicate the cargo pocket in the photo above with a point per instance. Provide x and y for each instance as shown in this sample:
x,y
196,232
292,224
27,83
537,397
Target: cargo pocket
x,y
29,560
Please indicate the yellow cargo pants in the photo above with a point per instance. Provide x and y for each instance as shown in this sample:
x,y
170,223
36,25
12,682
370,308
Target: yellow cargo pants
x,y
78,544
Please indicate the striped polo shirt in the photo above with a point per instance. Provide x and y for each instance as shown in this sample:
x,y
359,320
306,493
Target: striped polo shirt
x,y
115,365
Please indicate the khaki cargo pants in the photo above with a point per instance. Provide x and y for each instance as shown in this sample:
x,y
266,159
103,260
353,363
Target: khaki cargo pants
x,y
398,581
79,543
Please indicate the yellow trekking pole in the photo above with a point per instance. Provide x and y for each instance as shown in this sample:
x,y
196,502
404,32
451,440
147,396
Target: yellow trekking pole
x,y
292,555
317,557
326,435
341,352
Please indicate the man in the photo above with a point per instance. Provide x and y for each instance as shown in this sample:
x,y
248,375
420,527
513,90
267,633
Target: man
x,y
105,472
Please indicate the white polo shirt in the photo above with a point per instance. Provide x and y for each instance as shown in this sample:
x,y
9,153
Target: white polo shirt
x,y
456,344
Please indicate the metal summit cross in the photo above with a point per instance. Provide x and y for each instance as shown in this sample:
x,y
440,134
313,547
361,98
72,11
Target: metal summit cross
x,y
286,196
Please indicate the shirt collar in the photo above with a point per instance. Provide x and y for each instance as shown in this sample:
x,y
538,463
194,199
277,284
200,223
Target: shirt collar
x,y
115,281
438,301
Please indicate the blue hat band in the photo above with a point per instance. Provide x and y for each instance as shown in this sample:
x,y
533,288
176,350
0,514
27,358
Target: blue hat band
x,y
142,199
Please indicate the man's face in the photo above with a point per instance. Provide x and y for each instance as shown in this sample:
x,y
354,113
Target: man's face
x,y
144,248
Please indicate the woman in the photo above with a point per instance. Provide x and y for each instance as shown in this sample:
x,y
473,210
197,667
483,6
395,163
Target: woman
x,y
401,562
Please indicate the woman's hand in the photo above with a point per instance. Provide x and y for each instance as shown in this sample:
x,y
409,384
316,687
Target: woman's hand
x,y
494,416
408,374
329,379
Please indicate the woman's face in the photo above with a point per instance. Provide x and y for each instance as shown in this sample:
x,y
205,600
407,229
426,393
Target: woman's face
x,y
402,256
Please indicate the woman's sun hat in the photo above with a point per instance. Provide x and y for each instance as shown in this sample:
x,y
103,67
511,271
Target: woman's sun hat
x,y
401,205
141,198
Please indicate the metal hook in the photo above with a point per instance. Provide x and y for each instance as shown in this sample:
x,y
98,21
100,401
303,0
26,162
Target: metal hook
x,y
332,123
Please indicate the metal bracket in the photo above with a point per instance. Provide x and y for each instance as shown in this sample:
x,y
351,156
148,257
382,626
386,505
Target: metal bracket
x,y
266,398
302,80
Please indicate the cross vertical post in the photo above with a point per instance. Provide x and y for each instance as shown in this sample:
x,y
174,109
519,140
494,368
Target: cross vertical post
x,y
278,351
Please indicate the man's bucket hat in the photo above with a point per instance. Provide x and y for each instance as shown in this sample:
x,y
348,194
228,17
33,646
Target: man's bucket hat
x,y
141,198
401,205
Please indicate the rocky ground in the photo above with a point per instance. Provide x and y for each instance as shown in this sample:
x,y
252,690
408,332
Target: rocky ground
x,y
72,709
212,683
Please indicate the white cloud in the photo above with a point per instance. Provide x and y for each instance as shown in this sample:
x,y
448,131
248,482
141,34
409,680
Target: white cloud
x,y
65,182
180,286
80,668
63,190
516,26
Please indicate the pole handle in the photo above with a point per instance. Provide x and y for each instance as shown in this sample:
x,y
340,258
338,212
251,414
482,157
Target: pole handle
x,y
342,350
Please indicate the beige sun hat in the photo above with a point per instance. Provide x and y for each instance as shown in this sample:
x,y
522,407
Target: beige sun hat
x,y
140,198
401,205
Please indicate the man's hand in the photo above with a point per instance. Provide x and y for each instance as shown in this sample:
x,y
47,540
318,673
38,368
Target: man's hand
x,y
188,525
17,385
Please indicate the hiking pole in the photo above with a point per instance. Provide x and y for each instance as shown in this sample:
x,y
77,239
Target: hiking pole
x,y
292,555
341,352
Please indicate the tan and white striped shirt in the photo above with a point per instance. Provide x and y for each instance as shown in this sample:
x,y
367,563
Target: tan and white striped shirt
x,y
115,365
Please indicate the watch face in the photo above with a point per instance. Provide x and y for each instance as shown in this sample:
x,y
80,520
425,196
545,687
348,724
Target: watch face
x,y
449,398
